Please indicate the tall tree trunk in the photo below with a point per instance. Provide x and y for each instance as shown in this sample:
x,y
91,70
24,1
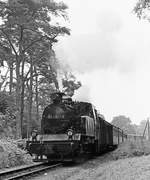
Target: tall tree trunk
x,y
10,78
21,81
18,129
30,98
36,95
3,83
22,98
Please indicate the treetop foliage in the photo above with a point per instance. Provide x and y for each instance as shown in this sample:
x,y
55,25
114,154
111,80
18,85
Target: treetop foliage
x,y
29,22
142,8
124,123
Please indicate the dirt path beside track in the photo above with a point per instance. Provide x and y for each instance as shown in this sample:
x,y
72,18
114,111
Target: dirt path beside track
x,y
102,168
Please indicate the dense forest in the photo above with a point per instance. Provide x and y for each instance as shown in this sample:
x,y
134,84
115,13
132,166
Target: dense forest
x,y
29,67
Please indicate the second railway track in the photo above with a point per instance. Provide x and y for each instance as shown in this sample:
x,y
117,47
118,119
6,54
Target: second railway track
x,y
26,171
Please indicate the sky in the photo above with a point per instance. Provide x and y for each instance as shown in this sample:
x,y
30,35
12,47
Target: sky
x,y
108,50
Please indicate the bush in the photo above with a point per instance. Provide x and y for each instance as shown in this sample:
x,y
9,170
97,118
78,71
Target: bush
x,y
11,155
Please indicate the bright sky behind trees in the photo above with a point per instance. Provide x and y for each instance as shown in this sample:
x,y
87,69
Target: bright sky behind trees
x,y
109,50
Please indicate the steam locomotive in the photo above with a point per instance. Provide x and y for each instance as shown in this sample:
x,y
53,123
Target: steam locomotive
x,y
70,129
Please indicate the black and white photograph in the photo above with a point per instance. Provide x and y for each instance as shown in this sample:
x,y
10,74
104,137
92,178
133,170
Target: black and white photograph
x,y
74,90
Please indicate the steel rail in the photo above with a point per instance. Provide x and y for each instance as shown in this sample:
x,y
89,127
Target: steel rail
x,y
6,175
17,169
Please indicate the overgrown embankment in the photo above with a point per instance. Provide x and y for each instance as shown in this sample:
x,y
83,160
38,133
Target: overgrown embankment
x,y
11,155
131,149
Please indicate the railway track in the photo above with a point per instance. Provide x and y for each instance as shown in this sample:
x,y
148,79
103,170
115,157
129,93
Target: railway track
x,y
26,171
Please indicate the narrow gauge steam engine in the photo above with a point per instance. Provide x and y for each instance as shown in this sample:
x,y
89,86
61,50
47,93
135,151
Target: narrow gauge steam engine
x,y
70,129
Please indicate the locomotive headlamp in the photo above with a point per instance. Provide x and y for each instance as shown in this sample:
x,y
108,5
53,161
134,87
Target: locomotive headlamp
x,y
70,133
